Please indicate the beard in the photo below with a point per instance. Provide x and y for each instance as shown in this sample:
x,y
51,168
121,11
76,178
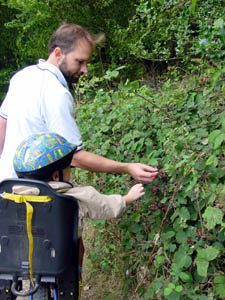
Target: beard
x,y
70,77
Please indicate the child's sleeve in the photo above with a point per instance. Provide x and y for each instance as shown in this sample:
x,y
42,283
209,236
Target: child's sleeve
x,y
97,206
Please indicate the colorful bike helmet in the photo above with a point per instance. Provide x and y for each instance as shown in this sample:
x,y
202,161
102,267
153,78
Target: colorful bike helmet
x,y
39,155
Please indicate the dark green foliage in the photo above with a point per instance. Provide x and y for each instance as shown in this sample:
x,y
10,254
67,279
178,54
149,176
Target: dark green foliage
x,y
7,49
147,36
169,30
5,75
8,37
180,129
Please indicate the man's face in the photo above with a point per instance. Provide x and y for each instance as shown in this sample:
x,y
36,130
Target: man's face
x,y
74,63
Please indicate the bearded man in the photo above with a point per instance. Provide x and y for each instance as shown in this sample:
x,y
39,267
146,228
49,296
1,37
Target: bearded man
x,y
39,101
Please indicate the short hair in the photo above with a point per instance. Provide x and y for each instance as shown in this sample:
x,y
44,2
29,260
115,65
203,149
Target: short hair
x,y
67,36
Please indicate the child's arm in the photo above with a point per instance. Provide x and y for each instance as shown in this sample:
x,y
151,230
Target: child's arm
x,y
134,193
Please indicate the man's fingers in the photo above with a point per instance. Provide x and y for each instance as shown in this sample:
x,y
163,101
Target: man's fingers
x,y
147,177
149,168
143,173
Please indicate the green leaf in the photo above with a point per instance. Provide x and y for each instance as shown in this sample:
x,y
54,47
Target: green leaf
x,y
213,135
136,217
180,146
173,296
184,276
212,160
203,258
155,285
219,23
193,6
179,288
114,73
202,267
184,213
205,141
202,297
208,254
167,291
160,259
175,214
168,235
136,227
181,237
135,85
219,286
212,216
175,268
211,253
149,293
218,140
172,247
171,286
182,259
223,123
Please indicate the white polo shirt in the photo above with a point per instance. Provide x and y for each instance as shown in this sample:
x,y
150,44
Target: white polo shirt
x,y
38,101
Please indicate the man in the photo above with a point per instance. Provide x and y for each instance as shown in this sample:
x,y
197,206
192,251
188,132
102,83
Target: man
x,y
39,101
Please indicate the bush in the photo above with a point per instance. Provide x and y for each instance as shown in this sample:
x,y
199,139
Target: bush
x,y
146,36
173,32
170,244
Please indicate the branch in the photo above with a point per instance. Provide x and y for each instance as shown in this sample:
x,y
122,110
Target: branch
x,y
154,105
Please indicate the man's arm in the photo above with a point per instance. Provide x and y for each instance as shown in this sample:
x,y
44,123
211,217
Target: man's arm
x,y
96,163
3,123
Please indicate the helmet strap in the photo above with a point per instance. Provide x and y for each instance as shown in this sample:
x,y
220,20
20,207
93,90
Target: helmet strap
x,y
60,175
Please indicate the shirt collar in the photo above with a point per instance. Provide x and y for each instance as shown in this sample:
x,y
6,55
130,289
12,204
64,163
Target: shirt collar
x,y
43,65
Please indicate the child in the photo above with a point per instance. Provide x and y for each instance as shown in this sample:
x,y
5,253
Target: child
x,y
47,157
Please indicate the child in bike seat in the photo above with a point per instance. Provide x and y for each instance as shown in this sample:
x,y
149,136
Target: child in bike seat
x,y
47,157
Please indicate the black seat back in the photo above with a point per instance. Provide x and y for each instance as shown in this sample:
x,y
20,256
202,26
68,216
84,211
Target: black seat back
x,y
54,230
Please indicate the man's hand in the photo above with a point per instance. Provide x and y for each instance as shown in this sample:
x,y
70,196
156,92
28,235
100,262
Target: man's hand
x,y
142,173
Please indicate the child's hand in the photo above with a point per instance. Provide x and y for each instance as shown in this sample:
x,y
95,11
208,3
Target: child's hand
x,y
134,193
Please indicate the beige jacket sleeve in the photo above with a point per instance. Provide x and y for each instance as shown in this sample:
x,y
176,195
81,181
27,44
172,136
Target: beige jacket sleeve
x,y
92,204
95,205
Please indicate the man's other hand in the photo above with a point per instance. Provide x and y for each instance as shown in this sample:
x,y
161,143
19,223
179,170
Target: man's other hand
x,y
142,173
